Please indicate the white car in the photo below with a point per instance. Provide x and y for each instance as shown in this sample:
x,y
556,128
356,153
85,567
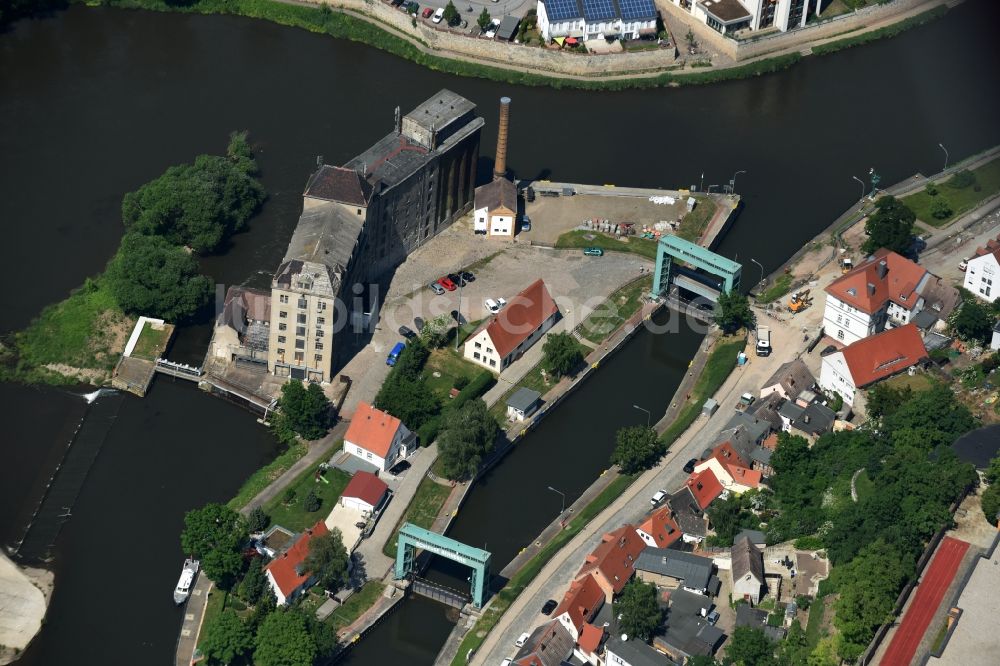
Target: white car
x,y
508,661
438,15
494,306
658,497
963,264
522,639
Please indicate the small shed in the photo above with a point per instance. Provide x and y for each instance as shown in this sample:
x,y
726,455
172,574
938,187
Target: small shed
x,y
522,404
364,493
710,407
508,28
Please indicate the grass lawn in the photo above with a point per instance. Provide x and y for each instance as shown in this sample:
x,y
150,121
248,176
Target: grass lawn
x,y
263,477
960,200
357,604
780,287
864,486
621,305
214,607
79,331
293,515
152,342
451,366
694,223
579,238
423,509
814,627
918,382
475,636
534,380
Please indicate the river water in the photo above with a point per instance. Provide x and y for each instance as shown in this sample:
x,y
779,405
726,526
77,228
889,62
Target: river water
x,y
94,102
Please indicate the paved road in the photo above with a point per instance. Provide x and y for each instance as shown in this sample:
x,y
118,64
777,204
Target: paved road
x,y
633,505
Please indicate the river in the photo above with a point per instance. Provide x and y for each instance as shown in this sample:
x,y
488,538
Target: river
x,y
94,102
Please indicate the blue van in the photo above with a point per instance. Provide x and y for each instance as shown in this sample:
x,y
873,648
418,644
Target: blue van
x,y
394,354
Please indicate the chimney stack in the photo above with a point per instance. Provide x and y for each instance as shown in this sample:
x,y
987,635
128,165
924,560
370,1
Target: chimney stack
x,y
500,167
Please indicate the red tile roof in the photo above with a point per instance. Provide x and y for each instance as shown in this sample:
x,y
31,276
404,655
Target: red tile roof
x,y
590,638
771,442
522,317
615,557
662,527
284,567
726,454
883,355
897,284
704,486
366,487
581,602
744,476
339,184
372,429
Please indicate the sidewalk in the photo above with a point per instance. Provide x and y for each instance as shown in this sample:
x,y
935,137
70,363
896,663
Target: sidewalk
x,y
194,613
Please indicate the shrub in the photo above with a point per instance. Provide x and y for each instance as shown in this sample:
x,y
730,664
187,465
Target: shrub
x,y
311,502
809,543
480,384
289,496
258,521
461,382
941,209
931,189
427,433
962,179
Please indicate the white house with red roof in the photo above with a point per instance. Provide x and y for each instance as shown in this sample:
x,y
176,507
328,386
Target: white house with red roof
x,y
660,529
512,331
870,360
612,563
378,438
286,574
982,276
883,290
365,493
579,605
732,471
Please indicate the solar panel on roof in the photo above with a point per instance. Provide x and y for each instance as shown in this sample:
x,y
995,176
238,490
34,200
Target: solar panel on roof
x,y
637,9
561,10
598,10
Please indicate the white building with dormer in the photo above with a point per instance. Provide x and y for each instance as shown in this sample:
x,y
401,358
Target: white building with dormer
x,y
982,276
596,19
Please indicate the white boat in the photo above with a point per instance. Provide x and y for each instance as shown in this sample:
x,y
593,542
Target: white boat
x,y
183,589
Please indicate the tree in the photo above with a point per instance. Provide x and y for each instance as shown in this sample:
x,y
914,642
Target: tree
x,y
636,449
225,638
941,209
638,611
451,15
561,354
733,312
750,646
973,321
304,411
485,19
254,584
435,332
930,418
311,502
198,204
890,226
149,276
214,534
258,521
466,437
991,503
884,399
728,517
283,640
962,179
408,400
328,560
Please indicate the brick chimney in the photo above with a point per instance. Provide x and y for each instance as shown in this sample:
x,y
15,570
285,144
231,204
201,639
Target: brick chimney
x,y
500,167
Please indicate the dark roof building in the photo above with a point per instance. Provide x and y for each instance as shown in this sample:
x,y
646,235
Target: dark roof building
x,y
693,571
789,380
548,645
687,632
688,515
507,28
633,652
755,618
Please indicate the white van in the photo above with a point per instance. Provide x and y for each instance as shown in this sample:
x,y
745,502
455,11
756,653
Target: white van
x,y
438,15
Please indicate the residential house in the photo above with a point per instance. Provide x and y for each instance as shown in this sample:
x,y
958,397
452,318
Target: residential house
x,y
589,644
286,573
755,427
586,19
579,605
690,517
756,537
747,571
522,404
496,209
755,618
745,433
275,540
729,16
612,562
365,492
732,471
809,421
548,645
704,487
688,633
378,438
982,276
512,331
668,568
789,380
624,651
870,360
660,529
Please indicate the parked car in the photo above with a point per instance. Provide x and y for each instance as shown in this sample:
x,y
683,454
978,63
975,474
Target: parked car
x,y
525,223
492,305
407,332
658,497
436,288
397,3
689,465
438,15
712,617
522,639
428,12
457,279
963,264
468,277
394,354
549,606
506,662
412,8
447,284
501,302
593,251
418,322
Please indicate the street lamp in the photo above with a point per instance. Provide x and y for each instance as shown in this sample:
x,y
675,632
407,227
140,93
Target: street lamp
x,y
563,495
732,183
761,269
642,409
710,188
945,156
862,184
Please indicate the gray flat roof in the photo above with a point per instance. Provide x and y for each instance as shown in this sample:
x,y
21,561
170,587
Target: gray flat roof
x,y
636,653
694,570
326,234
440,110
508,25
523,398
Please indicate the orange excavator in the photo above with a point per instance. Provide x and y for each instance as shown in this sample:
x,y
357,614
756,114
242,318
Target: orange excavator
x,y
799,301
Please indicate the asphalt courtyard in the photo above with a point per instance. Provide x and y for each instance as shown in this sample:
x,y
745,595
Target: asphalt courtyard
x,y
930,592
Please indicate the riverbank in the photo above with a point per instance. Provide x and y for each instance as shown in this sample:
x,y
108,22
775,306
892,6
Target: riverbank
x,y
24,600
382,27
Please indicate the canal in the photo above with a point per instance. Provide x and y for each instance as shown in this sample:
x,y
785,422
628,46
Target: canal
x,y
94,102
